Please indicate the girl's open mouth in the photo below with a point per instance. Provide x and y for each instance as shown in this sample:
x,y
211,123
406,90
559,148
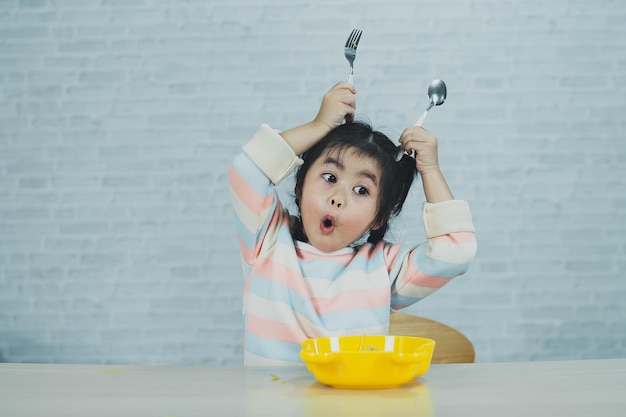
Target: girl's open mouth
x,y
327,224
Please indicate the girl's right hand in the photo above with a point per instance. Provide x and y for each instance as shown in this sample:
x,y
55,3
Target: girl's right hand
x,y
338,104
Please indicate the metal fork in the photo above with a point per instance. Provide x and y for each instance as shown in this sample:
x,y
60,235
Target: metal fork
x,y
350,50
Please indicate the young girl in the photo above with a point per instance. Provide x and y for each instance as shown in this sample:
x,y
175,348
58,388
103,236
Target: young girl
x,y
328,271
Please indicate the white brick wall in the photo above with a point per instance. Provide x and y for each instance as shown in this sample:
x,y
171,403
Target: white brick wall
x,y
118,120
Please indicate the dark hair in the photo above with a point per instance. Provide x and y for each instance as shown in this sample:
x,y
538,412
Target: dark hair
x,y
396,177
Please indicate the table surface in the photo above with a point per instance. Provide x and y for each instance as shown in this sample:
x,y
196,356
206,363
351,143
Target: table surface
x,y
562,388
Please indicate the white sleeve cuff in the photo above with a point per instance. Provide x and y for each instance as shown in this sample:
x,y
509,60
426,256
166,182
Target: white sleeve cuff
x,y
269,151
447,217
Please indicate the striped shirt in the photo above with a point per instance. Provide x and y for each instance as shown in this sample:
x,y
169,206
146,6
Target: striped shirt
x,y
294,291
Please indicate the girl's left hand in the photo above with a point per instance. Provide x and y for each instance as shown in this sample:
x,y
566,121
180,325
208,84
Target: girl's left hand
x,y
424,143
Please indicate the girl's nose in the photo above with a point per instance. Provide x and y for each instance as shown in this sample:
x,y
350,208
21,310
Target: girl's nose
x,y
335,202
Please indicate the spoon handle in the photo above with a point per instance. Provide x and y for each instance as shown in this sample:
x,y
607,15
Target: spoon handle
x,y
420,121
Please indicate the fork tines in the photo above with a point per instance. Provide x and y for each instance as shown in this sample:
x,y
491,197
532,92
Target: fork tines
x,y
353,39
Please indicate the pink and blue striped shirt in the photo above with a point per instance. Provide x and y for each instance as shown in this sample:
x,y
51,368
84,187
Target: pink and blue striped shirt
x,y
294,292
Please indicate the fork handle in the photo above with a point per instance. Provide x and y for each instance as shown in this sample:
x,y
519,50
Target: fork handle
x,y
351,78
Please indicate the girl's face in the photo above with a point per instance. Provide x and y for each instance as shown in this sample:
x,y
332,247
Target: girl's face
x,y
339,199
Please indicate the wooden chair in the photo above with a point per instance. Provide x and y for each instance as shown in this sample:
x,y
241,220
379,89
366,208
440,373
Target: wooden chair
x,y
451,345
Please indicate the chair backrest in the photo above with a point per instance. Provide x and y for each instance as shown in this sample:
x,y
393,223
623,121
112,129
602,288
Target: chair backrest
x,y
451,345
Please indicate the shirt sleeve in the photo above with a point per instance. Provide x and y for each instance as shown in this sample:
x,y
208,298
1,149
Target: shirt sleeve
x,y
265,160
420,270
269,151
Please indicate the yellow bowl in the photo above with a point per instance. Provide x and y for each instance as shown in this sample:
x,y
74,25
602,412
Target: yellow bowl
x,y
368,361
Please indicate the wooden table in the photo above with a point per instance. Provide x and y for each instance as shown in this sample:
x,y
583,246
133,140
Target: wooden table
x,y
569,388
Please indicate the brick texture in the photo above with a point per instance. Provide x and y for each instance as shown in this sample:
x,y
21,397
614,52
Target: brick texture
x,y
118,120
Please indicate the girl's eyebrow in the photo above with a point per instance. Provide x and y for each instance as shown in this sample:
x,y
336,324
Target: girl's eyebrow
x,y
332,161
367,174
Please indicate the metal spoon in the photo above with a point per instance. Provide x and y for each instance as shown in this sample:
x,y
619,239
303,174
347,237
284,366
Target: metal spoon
x,y
437,93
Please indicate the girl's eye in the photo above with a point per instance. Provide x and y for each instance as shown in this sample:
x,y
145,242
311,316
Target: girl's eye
x,y
329,177
361,190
